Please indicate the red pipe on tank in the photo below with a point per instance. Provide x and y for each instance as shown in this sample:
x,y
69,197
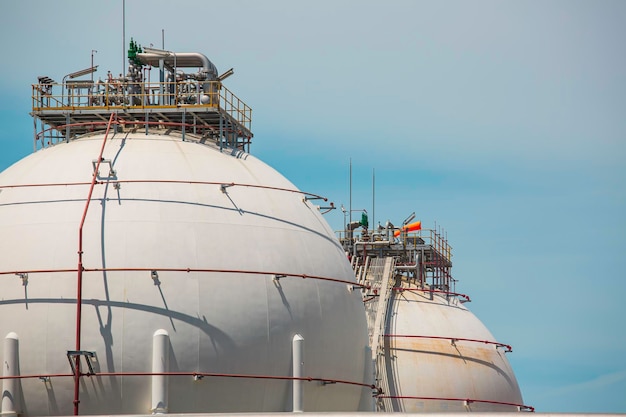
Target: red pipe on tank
x,y
309,196
277,275
453,339
79,283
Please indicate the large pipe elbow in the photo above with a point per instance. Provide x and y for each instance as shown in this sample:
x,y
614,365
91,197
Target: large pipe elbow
x,y
180,60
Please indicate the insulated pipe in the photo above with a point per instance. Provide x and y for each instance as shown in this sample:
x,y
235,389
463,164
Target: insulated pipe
x,y
298,370
373,243
180,60
160,365
10,398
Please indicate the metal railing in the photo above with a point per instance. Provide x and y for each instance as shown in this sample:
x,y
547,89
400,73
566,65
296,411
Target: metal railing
x,y
113,95
429,237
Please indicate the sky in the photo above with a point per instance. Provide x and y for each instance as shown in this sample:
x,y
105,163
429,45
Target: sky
x,y
500,123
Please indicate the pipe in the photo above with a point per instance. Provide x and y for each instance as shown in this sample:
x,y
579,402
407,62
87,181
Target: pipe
x,y
179,60
373,243
36,376
453,340
365,244
160,365
308,195
298,370
80,268
405,267
200,375
10,397
190,270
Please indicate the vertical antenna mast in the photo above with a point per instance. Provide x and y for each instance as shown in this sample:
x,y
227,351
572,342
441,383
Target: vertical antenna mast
x,y
350,205
123,36
373,198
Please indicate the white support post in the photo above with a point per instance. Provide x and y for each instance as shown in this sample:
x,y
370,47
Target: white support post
x,y
10,364
160,364
298,371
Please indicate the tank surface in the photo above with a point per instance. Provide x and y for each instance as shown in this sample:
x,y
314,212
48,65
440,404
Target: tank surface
x,y
439,357
182,240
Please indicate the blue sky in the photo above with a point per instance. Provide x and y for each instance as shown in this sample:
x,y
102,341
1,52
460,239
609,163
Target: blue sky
x,y
503,122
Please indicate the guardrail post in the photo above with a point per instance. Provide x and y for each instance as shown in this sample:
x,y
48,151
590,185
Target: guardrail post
x,y
184,127
67,127
221,137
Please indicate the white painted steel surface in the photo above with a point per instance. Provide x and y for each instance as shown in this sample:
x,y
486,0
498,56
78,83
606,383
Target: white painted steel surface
x,y
441,368
366,414
160,365
232,323
298,372
10,367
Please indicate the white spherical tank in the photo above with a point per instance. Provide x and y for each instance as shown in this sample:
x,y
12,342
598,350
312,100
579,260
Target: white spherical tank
x,y
440,357
195,261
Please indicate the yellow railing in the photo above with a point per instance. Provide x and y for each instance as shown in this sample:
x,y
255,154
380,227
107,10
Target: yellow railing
x,y
113,95
235,107
429,237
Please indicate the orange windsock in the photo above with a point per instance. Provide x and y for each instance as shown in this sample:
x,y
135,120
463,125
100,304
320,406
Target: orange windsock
x,y
409,228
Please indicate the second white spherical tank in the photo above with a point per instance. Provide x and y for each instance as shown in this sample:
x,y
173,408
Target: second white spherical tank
x,y
439,357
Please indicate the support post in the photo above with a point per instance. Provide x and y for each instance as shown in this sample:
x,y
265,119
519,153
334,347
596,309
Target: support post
x,y
298,371
67,127
10,397
35,134
160,364
184,127
161,83
221,137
